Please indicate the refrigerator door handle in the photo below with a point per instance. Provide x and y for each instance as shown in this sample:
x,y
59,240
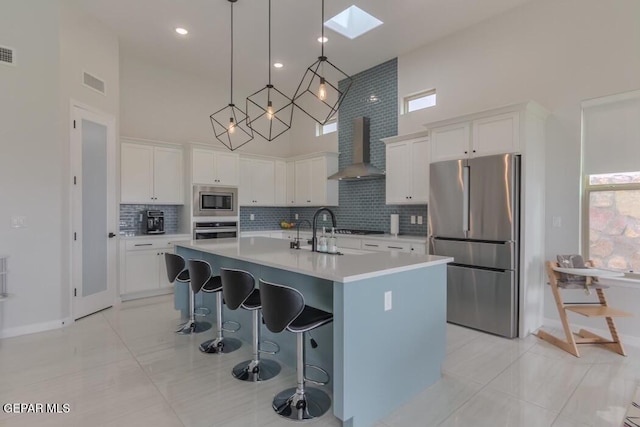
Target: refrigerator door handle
x,y
465,200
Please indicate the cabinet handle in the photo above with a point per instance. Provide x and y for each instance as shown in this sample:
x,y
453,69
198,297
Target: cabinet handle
x,y
474,151
466,152
372,246
143,244
394,247
411,197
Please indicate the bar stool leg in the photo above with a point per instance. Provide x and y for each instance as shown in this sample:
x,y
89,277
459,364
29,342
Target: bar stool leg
x,y
193,327
256,369
301,403
220,344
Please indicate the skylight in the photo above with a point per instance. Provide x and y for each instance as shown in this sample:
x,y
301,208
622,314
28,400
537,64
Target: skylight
x,y
352,22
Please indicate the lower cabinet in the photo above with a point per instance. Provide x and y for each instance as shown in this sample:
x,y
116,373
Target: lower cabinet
x,y
143,271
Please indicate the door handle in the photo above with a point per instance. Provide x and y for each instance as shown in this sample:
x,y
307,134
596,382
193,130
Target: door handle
x,y
111,235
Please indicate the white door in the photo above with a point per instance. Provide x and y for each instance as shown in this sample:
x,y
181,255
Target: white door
x,y
136,173
167,176
245,189
318,181
303,182
397,182
420,172
226,166
263,182
93,151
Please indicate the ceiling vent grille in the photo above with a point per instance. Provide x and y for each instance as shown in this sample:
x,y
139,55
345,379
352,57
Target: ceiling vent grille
x,y
93,82
6,55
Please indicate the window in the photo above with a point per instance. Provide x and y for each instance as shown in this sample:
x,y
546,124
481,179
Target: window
x,y
612,214
329,127
419,101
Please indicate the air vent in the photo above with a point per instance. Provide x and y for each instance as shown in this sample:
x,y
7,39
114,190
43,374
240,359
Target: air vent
x,y
6,55
93,82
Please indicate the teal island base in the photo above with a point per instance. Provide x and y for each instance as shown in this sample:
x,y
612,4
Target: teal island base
x,y
378,359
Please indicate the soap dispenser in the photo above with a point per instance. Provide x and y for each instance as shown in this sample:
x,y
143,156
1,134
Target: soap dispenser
x,y
322,241
332,246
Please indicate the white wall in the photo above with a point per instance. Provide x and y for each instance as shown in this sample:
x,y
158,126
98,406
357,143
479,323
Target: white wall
x,y
54,43
304,139
163,104
31,163
556,52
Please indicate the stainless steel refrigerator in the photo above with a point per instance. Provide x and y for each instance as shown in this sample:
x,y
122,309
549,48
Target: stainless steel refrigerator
x,y
474,218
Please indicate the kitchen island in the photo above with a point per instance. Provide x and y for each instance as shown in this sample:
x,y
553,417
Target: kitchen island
x,y
387,340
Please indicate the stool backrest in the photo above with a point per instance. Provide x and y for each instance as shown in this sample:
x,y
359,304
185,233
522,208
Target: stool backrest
x,y
281,305
237,285
175,265
199,272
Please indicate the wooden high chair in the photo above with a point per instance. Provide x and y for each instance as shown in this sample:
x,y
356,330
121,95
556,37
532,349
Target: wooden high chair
x,y
588,309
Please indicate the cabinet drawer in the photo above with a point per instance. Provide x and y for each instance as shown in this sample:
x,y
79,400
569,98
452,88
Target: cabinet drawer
x,y
159,243
386,246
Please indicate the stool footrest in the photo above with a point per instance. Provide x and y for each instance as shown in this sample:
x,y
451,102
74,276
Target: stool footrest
x,y
232,322
276,346
317,368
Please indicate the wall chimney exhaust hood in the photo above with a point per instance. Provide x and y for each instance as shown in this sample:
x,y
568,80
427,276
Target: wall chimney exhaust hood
x,y
360,168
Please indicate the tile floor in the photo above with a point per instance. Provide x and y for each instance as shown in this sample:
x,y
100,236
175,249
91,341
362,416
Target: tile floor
x,y
125,367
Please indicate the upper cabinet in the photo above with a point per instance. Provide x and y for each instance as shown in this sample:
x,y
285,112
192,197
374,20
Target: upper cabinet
x,y
281,183
214,167
291,183
487,134
407,170
311,186
151,174
257,182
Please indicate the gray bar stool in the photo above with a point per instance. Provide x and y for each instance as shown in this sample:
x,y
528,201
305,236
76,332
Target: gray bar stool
x,y
284,308
176,272
238,288
200,272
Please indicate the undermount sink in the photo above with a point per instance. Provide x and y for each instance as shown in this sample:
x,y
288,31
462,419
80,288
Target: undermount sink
x,y
343,251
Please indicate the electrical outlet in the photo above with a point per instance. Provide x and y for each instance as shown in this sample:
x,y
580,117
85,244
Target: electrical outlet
x,y
413,219
420,219
18,221
387,301
252,217
296,216
324,217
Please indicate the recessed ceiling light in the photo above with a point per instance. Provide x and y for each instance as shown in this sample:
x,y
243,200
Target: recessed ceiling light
x,y
323,39
278,65
353,22
182,31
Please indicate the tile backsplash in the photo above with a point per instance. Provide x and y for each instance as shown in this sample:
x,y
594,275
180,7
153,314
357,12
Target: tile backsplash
x,y
130,217
373,94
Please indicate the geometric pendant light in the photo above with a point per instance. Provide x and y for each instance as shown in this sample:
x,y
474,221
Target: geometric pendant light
x,y
269,111
230,122
318,94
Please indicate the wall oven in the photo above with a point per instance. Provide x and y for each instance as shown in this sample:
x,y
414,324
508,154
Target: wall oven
x,y
215,201
214,230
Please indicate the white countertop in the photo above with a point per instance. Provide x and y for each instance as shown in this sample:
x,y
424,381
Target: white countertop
x,y
400,238
275,253
154,236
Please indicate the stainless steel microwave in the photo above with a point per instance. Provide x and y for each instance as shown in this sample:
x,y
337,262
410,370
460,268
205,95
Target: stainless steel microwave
x,y
215,201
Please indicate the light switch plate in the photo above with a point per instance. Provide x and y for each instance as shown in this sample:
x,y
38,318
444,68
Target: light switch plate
x,y
252,217
296,216
419,219
324,217
387,301
557,221
18,221
413,219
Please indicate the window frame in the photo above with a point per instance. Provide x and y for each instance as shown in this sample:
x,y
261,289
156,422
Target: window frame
x,y
589,188
320,128
418,95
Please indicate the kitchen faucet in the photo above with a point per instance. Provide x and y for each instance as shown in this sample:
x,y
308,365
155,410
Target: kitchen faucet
x,y
314,240
296,244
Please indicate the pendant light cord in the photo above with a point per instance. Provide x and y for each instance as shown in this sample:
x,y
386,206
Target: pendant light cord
x,y
322,32
231,100
269,64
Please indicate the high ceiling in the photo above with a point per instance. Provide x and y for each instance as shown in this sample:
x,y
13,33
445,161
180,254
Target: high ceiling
x,y
146,29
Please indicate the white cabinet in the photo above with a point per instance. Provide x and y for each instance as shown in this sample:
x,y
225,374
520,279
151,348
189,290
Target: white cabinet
x,y
482,136
312,188
143,271
407,174
151,174
257,182
291,183
280,183
214,167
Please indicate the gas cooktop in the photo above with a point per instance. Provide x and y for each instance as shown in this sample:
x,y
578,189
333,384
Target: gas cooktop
x,y
359,232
